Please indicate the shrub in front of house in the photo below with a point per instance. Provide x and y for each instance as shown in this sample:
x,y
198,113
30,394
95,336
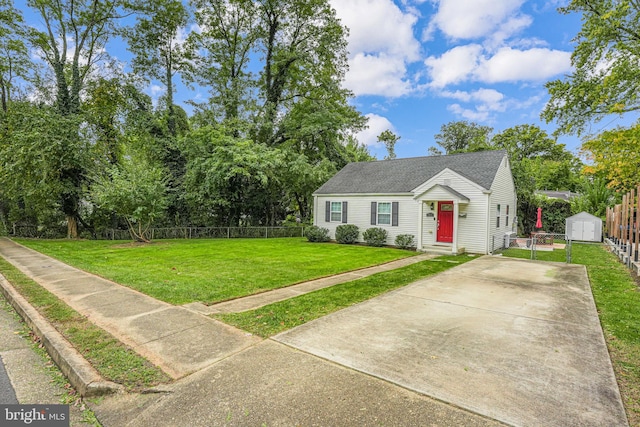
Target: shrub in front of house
x,y
375,236
347,233
405,241
317,234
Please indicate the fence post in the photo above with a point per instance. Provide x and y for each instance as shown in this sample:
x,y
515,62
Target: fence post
x,y
228,232
266,232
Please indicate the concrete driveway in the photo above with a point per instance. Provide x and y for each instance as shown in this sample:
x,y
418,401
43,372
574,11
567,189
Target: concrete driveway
x,y
514,340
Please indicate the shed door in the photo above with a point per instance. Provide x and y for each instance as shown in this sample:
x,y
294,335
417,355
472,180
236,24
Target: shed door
x,y
589,231
576,230
583,230
445,222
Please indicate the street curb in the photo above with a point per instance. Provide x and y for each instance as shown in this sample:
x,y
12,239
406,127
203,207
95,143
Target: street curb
x,y
81,375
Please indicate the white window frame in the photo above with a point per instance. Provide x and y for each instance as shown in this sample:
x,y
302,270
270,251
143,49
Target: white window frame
x,y
337,212
498,215
378,213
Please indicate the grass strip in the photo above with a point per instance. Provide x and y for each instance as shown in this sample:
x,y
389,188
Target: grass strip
x,y
68,395
280,316
617,298
112,359
213,270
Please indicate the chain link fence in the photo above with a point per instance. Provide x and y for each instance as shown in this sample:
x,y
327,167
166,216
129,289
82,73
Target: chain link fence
x,y
541,242
30,231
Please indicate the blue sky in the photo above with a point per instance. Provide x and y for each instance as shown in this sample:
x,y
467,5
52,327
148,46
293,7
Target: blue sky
x,y
418,64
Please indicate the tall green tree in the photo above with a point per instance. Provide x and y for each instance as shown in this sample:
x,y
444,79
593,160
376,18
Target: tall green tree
x,y
275,69
228,37
159,52
305,58
72,43
462,136
606,76
14,54
389,139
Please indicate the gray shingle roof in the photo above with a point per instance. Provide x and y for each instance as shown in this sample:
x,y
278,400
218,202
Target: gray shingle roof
x,y
403,175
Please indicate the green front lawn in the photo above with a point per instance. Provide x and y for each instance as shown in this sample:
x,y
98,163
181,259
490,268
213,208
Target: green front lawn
x,y
209,271
617,298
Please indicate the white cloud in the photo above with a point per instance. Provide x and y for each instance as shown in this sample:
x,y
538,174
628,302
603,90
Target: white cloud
x,y
486,102
377,75
510,27
483,105
489,96
454,66
474,115
469,63
471,19
377,125
381,44
510,65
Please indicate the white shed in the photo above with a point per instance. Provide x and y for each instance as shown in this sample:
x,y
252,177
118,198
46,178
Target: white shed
x,y
584,226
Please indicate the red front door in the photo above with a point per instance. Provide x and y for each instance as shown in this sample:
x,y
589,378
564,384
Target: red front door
x,y
445,222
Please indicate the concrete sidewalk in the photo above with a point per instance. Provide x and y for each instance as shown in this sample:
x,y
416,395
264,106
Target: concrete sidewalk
x,y
177,340
259,300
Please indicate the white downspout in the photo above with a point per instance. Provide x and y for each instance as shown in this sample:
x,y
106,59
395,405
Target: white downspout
x,y
488,224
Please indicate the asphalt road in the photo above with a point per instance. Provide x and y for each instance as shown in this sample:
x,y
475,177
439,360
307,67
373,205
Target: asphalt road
x,y
7,393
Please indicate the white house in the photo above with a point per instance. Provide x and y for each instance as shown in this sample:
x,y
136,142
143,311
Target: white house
x,y
456,203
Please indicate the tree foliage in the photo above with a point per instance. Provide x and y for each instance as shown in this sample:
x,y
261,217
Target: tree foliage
x,y
389,139
595,196
134,190
38,148
615,154
462,136
276,123
606,76
14,53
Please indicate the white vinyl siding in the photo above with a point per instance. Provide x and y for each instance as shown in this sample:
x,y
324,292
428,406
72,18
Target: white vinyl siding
x,y
502,193
360,214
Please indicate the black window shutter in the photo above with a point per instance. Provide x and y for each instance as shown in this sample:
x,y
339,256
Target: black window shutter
x,y
344,212
374,213
394,214
327,211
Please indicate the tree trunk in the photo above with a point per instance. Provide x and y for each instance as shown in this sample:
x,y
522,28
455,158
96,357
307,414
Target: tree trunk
x,y
72,227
